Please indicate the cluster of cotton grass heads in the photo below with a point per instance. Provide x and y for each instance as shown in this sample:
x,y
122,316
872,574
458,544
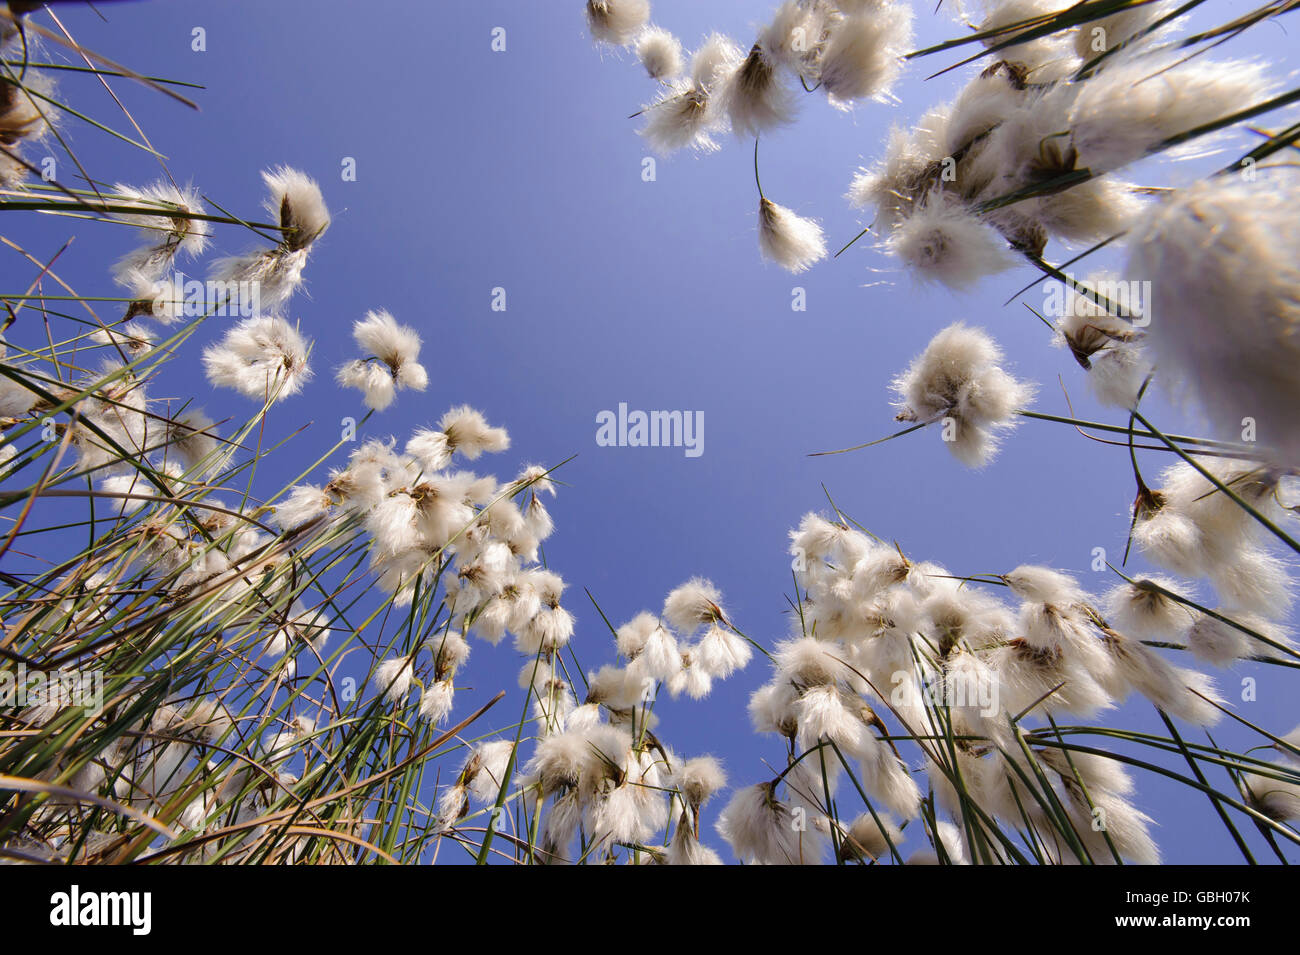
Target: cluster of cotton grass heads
x,y
849,52
273,672
260,705
1036,147
140,552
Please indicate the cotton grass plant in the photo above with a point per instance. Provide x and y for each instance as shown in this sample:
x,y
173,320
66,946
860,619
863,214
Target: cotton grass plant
x,y
928,716
276,666
280,665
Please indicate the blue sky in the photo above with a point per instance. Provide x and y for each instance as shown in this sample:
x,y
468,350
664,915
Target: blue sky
x,y
520,170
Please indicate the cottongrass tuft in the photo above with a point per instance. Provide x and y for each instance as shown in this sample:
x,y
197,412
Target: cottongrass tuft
x,y
660,53
959,380
617,21
790,240
1223,260
261,357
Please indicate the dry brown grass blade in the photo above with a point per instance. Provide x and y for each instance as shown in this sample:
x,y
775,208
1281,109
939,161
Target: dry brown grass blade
x,y
35,786
340,836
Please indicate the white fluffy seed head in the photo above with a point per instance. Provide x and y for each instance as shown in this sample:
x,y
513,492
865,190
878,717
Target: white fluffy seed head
x,y
1042,585
305,503
393,351
1223,261
958,381
1105,34
450,651
983,103
632,636
690,678
808,662
721,652
1276,798
699,778
690,110
169,232
828,713
436,701
468,433
754,96
617,21
264,279
27,105
760,828
192,438
1222,642
1040,60
393,678
694,604
430,449
1109,346
817,539
1255,581
943,241
261,357
899,180
1142,610
1186,694
863,57
790,240
717,57
615,687
296,203
660,53
372,379
1137,102
380,335
870,837
683,116
771,709
796,35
